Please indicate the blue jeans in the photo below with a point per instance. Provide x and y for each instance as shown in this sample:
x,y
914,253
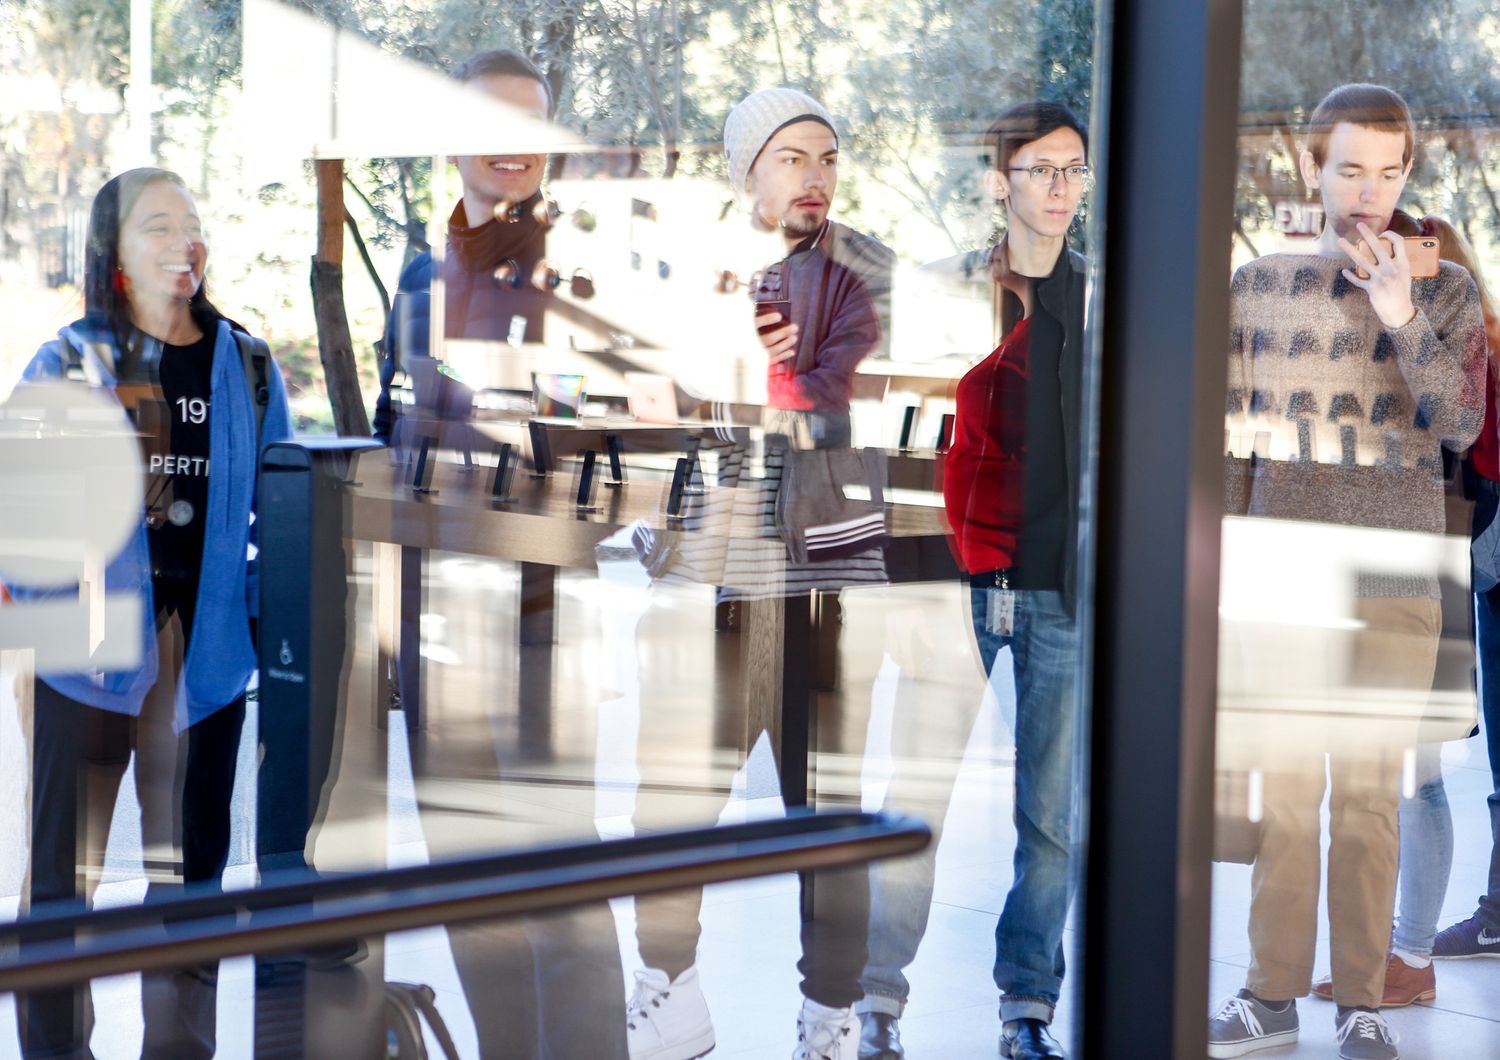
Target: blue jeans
x,y
1487,643
1028,939
1426,856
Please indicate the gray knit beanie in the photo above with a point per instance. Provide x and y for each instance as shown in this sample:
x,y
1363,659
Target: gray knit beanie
x,y
755,120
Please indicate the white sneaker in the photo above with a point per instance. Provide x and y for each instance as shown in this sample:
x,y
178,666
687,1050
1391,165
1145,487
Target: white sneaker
x,y
826,1033
668,1019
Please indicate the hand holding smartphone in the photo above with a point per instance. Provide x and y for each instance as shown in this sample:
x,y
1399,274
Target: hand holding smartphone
x,y
1422,253
770,294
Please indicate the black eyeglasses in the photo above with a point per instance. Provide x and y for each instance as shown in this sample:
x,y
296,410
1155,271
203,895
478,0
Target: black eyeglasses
x,y
1045,175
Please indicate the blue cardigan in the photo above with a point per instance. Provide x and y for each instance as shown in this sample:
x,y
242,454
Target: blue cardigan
x,y
221,657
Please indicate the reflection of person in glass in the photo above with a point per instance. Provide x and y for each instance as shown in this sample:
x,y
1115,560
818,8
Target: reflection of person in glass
x,y
496,238
536,986
1479,935
1346,376
1010,487
782,154
830,306
186,373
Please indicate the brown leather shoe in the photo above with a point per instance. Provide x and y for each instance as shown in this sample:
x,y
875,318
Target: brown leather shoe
x,y
1404,985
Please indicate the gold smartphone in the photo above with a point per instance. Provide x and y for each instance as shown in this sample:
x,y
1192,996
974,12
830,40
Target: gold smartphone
x,y
1421,251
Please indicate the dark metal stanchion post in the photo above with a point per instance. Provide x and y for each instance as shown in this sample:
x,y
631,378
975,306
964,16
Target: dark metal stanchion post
x,y
303,630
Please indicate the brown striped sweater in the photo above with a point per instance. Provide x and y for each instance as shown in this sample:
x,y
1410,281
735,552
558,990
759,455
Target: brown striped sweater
x,y
1345,415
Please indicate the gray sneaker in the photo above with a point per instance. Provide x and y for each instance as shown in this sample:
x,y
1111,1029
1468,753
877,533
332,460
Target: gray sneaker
x,y
1365,1036
1243,1025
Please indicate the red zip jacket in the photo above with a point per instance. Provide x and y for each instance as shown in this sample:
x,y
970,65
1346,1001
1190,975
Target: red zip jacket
x,y
984,474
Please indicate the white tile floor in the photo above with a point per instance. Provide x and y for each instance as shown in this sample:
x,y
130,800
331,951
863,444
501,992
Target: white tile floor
x,y
750,942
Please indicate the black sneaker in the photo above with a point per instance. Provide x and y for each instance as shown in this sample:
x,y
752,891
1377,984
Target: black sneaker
x,y
1467,938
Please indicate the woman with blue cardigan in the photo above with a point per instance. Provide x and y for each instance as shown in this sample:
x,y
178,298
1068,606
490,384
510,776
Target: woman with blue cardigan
x,y
204,398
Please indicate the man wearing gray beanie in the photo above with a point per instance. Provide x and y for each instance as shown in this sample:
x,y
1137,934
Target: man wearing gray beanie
x,y
820,311
782,149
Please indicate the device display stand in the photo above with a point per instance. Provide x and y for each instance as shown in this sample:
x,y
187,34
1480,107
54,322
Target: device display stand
x,y
675,494
587,482
505,473
945,432
692,485
615,448
421,476
541,450
908,422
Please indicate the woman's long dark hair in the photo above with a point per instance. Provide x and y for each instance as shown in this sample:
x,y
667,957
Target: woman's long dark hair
x,y
105,303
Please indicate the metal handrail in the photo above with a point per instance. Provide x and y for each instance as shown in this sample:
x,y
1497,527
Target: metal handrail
x,y
59,948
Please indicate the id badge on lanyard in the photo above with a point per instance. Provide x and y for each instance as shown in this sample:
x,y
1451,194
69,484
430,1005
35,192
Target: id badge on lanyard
x,y
1000,607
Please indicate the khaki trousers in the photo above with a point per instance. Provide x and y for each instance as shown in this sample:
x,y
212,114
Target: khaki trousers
x,y
1362,859
1395,651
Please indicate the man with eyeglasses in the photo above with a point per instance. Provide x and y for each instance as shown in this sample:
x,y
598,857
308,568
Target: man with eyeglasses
x,y
1010,487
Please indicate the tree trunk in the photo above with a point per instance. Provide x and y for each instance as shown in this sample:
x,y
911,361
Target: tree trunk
x,y
335,347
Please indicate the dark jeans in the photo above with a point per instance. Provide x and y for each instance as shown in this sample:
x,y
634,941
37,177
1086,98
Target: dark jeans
x,y
1487,645
78,756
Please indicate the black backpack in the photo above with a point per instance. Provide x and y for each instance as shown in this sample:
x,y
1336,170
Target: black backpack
x,y
255,355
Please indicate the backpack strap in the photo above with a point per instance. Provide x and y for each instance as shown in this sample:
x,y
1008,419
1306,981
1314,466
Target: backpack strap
x,y
427,1005
256,358
78,370
72,360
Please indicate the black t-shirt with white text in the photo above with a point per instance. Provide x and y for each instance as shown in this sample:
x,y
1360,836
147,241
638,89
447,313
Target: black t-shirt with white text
x,y
177,460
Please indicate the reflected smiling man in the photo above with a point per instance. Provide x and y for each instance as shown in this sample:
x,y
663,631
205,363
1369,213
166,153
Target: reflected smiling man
x,y
500,219
537,986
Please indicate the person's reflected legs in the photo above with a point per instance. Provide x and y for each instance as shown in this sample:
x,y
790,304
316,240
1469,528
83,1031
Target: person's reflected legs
x,y
1284,895
833,952
901,888
538,988
667,1016
184,784
1479,934
180,1006
1426,822
542,987
78,757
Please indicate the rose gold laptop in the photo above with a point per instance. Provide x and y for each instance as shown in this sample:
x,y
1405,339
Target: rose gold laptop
x,y
653,398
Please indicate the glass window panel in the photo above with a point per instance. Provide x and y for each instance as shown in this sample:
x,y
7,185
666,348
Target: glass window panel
x,y
726,367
